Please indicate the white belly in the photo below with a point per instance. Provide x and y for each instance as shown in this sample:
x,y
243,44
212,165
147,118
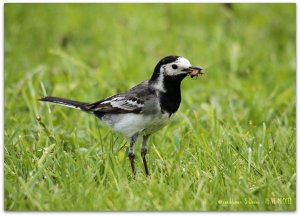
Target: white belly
x,y
129,123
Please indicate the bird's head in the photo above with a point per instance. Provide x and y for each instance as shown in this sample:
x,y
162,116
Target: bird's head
x,y
174,68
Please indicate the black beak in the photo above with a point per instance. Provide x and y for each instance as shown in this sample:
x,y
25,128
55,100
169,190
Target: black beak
x,y
196,68
193,71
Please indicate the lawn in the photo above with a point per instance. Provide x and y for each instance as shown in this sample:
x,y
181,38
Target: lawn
x,y
231,146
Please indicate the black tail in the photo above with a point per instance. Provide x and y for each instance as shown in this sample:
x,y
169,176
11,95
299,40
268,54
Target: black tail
x,y
64,102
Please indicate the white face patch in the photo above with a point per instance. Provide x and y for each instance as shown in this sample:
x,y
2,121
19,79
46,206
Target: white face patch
x,y
159,85
171,69
175,68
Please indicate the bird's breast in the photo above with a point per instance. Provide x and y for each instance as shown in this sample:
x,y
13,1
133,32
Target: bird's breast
x,y
130,123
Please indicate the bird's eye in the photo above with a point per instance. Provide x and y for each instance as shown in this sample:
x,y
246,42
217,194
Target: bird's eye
x,y
174,66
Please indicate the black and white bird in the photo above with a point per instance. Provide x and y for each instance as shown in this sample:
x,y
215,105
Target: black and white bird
x,y
143,109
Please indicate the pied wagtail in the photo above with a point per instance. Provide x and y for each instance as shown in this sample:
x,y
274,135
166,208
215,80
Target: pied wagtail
x,y
143,109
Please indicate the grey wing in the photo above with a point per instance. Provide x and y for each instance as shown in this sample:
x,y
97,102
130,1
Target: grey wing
x,y
136,100
116,104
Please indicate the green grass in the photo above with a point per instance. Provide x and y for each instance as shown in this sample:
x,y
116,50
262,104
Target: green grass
x,y
232,145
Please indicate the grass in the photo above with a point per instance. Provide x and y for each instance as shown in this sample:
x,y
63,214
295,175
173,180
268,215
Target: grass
x,y
232,145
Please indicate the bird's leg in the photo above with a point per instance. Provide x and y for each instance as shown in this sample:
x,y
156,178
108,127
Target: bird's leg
x,y
131,151
144,151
